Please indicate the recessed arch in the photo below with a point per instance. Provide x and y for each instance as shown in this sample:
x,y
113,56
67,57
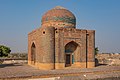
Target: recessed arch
x,y
33,53
71,49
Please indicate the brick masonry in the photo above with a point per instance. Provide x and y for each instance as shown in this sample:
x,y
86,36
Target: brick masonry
x,y
49,45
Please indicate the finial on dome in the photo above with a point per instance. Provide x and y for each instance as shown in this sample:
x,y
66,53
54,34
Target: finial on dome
x,y
59,7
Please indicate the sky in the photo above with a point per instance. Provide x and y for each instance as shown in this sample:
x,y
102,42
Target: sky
x,y
19,17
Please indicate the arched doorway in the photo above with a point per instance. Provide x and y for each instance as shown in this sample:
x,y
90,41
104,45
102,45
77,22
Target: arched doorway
x,y
33,53
70,50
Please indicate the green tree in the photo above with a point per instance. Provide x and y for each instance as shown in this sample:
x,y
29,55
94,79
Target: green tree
x,y
4,51
96,50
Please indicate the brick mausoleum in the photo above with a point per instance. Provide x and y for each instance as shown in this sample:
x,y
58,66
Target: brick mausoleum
x,y
58,44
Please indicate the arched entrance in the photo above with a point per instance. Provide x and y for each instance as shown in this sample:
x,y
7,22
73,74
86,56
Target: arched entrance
x,y
33,53
70,50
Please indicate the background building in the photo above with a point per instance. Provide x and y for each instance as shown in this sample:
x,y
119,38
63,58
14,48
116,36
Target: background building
x,y
58,44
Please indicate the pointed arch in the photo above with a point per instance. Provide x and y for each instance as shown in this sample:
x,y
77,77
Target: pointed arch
x,y
33,53
71,51
70,47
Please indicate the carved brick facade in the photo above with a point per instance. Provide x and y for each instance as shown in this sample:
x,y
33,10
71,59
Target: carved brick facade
x,y
58,44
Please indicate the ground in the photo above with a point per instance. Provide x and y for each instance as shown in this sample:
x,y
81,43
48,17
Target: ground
x,y
26,72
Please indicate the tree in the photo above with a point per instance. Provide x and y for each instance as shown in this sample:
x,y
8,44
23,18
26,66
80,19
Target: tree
x,y
96,50
4,51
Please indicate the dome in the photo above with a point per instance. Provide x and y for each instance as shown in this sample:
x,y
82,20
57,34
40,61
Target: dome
x,y
59,17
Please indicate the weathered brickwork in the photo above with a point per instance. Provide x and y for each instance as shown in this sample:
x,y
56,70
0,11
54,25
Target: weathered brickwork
x,y
58,44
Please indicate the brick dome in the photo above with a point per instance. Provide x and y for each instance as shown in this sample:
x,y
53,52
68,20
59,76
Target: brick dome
x,y
59,17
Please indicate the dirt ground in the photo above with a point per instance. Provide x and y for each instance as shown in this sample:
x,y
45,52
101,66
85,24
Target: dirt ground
x,y
26,72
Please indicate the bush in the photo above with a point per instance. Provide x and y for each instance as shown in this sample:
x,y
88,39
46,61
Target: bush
x,y
4,51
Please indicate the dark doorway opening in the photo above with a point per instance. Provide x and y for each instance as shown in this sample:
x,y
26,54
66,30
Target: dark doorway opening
x,y
68,60
33,53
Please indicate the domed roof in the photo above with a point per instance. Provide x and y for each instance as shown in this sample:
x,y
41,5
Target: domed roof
x,y
60,16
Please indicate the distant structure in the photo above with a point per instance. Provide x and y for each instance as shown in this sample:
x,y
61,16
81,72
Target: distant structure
x,y
58,44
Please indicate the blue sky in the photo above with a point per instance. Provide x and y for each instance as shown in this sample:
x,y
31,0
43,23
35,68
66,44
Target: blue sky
x,y
19,17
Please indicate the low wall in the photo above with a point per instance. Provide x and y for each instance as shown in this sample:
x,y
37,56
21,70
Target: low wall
x,y
12,61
